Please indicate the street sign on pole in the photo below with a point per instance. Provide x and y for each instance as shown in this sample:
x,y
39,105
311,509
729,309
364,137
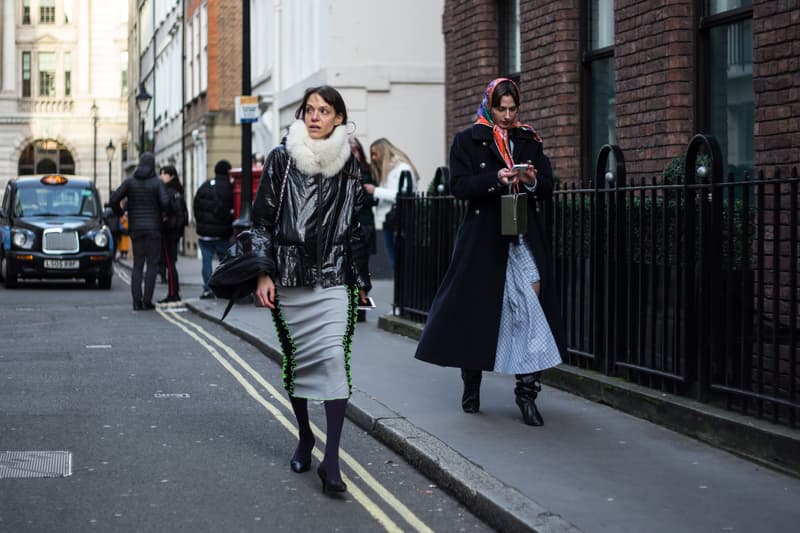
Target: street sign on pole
x,y
247,109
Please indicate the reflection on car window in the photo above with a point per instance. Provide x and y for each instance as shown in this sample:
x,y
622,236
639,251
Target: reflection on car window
x,y
50,201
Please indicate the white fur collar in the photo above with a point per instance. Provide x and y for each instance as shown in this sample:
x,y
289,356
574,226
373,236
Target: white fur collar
x,y
318,156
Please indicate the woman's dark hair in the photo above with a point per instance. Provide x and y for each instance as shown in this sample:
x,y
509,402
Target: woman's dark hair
x,y
358,151
505,88
327,93
169,169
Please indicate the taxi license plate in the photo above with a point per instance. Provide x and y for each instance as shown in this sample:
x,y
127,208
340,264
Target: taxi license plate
x,y
62,264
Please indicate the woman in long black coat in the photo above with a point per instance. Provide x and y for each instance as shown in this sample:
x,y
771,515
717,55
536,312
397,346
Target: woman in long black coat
x,y
496,308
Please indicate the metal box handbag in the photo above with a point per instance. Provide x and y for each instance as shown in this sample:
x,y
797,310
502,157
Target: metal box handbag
x,y
514,213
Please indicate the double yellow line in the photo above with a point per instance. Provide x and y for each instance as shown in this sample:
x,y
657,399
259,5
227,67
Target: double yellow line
x,y
217,348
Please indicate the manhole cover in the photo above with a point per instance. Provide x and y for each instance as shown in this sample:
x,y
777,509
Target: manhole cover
x,y
35,464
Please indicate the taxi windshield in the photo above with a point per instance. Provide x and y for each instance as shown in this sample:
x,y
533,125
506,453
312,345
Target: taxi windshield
x,y
55,201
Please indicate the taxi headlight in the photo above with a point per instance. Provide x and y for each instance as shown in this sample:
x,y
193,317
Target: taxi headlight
x,y
101,239
23,239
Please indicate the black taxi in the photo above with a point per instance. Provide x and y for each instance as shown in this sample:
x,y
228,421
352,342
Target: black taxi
x,y
51,226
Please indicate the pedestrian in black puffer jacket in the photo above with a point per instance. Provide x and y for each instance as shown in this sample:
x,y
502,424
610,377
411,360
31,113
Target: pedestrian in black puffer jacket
x,y
172,231
213,215
147,201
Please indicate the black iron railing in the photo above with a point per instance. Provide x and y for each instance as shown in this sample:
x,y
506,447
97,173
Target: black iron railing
x,y
687,287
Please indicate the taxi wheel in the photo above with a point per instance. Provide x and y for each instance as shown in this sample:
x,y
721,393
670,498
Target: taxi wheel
x,y
10,277
89,281
104,282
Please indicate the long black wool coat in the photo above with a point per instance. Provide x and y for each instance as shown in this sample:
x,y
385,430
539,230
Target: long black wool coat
x,y
464,319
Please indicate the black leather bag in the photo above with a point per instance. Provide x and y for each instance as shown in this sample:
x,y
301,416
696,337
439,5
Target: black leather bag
x,y
237,274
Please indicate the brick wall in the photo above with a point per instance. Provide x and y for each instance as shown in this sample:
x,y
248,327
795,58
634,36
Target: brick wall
x,y
470,36
550,80
224,54
776,83
654,57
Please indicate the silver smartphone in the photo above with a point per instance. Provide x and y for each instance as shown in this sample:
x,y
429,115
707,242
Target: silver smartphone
x,y
366,305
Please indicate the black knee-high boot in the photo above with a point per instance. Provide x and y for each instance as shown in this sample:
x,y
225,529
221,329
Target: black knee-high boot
x,y
328,470
471,399
526,391
301,460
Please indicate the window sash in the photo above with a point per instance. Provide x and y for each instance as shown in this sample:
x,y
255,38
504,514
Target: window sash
x,y
47,11
509,38
601,24
47,73
26,74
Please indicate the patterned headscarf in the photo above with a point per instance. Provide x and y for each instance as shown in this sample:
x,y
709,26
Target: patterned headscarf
x,y
484,118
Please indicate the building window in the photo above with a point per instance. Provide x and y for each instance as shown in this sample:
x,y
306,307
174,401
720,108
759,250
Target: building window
x,y
26,74
26,11
599,90
67,73
123,60
727,104
509,44
47,73
67,11
47,11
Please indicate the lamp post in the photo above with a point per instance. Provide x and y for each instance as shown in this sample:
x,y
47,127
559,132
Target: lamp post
x,y
142,104
243,222
110,154
94,143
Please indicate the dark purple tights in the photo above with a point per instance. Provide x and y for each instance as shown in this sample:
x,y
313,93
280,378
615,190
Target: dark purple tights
x,y
334,417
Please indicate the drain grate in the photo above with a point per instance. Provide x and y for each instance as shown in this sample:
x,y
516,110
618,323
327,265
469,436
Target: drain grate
x,y
35,464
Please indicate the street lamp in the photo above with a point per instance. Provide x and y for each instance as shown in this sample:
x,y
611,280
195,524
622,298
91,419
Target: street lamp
x,y
94,144
110,154
143,104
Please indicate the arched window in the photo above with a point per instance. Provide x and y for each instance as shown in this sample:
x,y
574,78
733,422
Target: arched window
x,y
45,156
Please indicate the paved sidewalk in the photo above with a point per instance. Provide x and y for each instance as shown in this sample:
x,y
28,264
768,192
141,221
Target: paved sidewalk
x,y
590,468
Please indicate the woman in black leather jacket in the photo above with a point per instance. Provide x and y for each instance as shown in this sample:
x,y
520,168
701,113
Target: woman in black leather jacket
x,y
305,220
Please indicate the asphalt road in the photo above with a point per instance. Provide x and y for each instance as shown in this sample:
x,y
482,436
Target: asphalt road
x,y
170,423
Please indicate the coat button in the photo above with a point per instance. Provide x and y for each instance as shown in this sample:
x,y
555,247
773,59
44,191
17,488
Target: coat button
x,y
482,165
491,189
484,143
477,211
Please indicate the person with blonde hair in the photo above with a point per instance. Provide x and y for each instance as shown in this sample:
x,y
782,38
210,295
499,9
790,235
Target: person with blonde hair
x,y
387,164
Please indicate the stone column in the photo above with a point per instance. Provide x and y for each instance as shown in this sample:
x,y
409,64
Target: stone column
x,y
9,47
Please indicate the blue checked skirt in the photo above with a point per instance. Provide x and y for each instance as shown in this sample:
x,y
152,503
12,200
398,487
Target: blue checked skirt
x,y
525,342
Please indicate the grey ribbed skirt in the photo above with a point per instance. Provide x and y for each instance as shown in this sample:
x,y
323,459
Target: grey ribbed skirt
x,y
315,327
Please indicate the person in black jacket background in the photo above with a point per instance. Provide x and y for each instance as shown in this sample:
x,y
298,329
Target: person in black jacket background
x,y
366,216
147,200
172,231
213,215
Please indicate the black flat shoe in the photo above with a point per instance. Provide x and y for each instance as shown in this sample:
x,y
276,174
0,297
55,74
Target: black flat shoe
x,y
330,485
299,466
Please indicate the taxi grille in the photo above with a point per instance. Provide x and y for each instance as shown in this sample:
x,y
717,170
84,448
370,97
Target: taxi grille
x,y
56,241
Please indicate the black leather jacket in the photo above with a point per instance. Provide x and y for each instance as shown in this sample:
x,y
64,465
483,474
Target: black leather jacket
x,y
317,238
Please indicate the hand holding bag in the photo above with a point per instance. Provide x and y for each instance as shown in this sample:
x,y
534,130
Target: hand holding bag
x,y
514,212
237,274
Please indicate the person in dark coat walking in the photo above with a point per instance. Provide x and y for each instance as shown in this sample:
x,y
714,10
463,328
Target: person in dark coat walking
x,y
175,221
213,215
496,308
147,200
